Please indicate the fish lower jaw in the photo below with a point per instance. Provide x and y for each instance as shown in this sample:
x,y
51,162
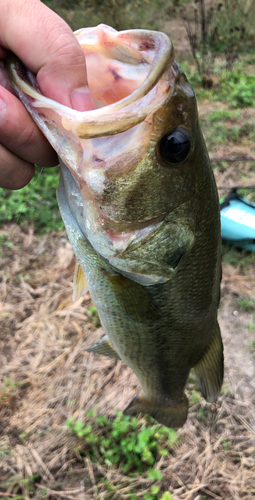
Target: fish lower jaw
x,y
170,414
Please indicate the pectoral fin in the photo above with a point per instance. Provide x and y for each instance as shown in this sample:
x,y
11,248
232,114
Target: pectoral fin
x,y
80,286
104,347
209,370
134,298
171,416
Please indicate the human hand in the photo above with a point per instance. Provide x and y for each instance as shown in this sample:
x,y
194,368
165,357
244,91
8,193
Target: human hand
x,y
47,46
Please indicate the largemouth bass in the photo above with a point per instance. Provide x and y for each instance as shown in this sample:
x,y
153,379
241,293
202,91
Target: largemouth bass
x,y
140,206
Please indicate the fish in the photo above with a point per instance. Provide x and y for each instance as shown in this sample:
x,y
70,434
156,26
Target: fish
x,y
139,202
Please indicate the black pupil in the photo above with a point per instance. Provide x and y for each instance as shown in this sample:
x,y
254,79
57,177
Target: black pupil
x,y
174,146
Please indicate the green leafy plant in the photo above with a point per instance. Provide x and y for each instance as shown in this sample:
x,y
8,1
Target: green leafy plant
x,y
166,496
251,326
123,440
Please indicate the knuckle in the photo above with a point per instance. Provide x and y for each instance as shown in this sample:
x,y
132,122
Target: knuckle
x,y
68,53
23,176
61,43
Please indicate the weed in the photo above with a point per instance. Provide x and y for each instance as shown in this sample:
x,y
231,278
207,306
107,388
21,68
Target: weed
x,y
94,316
238,88
226,443
27,483
225,389
4,451
195,397
9,383
123,440
251,327
251,344
201,414
236,257
166,496
153,495
154,474
4,241
247,303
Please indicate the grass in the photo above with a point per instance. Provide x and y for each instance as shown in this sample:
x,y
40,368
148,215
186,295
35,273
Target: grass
x,y
237,257
236,88
25,486
35,203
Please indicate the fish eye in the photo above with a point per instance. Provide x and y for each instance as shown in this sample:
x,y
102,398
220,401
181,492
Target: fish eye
x,y
174,146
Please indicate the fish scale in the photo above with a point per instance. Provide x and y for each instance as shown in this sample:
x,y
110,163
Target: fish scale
x,y
139,202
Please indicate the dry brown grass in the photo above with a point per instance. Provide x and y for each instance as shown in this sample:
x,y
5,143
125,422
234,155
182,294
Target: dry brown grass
x,y
47,376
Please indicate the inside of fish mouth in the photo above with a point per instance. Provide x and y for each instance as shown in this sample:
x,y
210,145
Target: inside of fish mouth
x,y
110,79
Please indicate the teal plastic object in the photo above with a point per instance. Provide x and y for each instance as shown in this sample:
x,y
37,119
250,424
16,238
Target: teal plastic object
x,y
238,221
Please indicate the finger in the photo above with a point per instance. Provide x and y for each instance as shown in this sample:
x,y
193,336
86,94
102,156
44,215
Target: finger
x,y
15,173
19,134
47,46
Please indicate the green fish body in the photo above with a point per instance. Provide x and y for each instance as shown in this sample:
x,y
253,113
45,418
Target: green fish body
x,y
139,202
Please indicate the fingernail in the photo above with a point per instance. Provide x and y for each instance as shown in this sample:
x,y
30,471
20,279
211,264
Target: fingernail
x,y
82,99
2,106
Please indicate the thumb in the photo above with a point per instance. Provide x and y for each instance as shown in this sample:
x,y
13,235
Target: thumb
x,y
48,47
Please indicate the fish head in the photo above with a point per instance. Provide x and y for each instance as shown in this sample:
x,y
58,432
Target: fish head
x,y
131,168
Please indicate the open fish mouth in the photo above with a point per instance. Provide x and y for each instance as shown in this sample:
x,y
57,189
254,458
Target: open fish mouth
x,y
111,151
122,68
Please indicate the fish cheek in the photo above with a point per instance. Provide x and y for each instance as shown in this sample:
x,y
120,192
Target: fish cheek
x,y
166,247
